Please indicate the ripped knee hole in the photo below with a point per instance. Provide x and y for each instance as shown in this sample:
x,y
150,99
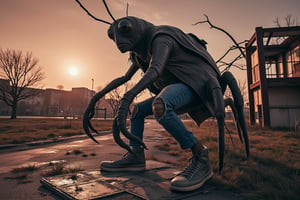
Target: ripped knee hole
x,y
158,108
134,111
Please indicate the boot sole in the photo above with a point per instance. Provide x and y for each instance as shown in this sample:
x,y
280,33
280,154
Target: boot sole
x,y
124,169
192,187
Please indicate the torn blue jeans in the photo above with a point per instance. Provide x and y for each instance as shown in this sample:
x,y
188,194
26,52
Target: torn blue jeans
x,y
174,97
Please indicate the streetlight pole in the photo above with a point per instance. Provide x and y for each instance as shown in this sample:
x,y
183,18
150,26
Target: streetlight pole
x,y
92,84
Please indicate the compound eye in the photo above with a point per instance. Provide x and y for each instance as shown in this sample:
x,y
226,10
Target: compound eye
x,y
124,26
110,33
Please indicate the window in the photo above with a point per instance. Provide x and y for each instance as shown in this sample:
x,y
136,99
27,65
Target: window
x,y
271,71
293,62
255,67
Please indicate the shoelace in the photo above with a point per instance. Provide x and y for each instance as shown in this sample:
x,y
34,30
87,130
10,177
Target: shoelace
x,y
126,156
192,168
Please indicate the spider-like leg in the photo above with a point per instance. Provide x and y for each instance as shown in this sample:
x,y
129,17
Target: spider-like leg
x,y
219,112
229,102
228,79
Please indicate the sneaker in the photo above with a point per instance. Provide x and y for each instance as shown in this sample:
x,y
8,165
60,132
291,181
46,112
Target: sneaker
x,y
195,174
129,162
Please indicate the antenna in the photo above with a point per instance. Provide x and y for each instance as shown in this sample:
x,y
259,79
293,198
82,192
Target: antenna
x,y
95,18
127,9
107,9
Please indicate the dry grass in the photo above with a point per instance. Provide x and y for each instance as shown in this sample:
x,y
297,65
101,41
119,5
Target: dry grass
x,y
272,172
61,168
18,131
27,168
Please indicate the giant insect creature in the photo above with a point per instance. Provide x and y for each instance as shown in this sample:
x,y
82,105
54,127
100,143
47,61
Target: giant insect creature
x,y
136,36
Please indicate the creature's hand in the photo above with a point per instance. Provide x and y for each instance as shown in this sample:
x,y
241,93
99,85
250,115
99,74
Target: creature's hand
x,y
88,115
124,108
122,115
91,110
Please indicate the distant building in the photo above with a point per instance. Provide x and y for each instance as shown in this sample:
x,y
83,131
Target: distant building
x,y
54,102
273,73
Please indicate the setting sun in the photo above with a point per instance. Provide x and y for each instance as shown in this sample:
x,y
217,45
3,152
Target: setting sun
x,y
73,71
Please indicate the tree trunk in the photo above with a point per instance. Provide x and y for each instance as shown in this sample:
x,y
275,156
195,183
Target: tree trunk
x,y
14,111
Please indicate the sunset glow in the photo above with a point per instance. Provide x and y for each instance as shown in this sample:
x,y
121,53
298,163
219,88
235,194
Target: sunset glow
x,y
72,47
73,71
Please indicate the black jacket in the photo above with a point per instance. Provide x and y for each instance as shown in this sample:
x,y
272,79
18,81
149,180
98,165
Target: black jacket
x,y
188,61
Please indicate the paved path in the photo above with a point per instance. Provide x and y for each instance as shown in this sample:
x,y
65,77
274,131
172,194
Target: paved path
x,y
86,154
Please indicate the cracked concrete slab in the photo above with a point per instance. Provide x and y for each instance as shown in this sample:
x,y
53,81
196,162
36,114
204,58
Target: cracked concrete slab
x,y
150,184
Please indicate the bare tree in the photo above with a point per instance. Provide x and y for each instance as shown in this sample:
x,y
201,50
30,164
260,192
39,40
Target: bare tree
x,y
289,20
113,98
237,49
60,87
22,72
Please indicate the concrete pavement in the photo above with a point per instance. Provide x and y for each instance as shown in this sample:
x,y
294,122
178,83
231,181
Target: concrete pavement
x,y
151,184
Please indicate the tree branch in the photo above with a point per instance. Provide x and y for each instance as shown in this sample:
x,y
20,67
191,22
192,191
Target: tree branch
x,y
232,63
224,31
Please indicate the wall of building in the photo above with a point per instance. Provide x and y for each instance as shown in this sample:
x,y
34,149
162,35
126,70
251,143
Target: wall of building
x,y
284,106
52,102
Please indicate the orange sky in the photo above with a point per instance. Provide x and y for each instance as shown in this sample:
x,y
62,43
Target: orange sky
x,y
61,35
